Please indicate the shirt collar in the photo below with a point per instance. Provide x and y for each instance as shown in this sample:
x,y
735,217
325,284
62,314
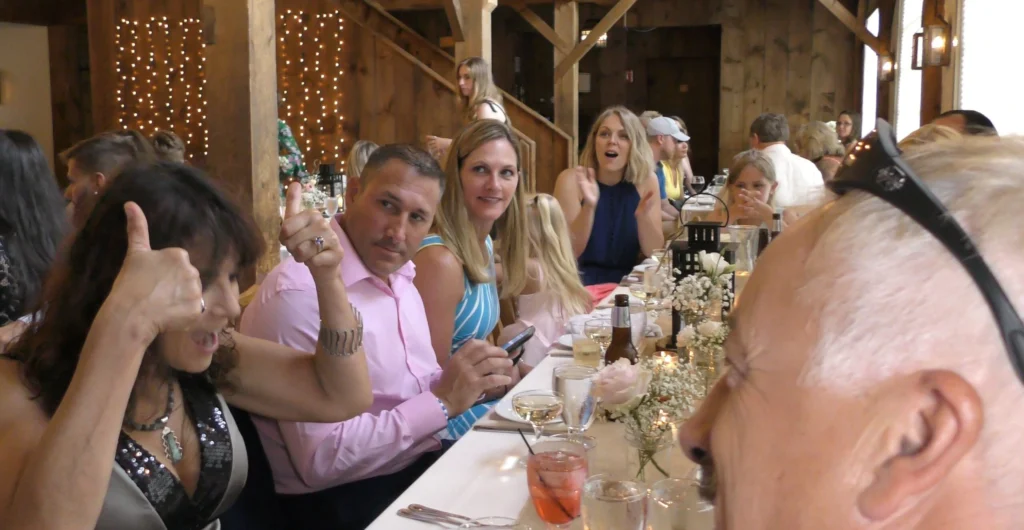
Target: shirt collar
x,y
779,148
354,271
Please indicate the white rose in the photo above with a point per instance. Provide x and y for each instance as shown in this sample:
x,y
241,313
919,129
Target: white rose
x,y
709,328
685,336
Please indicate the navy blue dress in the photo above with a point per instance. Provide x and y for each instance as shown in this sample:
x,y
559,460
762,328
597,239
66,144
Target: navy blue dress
x,y
614,242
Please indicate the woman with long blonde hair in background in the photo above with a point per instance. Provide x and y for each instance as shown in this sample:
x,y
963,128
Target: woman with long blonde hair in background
x,y
817,142
557,294
611,200
456,273
478,97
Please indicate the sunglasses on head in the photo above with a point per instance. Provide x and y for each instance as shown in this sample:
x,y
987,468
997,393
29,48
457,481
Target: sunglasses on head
x,y
874,166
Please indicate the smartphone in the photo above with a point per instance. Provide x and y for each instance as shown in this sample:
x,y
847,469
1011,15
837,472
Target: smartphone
x,y
517,343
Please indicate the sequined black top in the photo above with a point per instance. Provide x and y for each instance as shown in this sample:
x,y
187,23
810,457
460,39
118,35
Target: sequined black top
x,y
10,298
144,493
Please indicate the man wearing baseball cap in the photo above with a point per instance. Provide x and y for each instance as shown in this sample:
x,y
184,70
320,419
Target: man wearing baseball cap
x,y
664,136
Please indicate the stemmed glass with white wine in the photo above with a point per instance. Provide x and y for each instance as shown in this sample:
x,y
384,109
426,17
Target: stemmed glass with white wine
x,y
650,288
538,407
331,206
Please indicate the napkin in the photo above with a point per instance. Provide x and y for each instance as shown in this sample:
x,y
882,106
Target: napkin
x,y
493,421
600,291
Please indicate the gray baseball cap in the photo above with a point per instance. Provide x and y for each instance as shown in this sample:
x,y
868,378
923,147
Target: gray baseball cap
x,y
662,126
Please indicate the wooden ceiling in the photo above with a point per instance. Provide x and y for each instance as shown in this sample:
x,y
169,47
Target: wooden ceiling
x,y
413,5
42,12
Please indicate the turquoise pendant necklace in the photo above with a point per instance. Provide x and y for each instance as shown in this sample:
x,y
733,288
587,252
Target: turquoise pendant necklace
x,y
172,448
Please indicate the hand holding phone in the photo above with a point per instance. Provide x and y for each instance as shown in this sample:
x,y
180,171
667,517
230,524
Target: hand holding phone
x,y
517,343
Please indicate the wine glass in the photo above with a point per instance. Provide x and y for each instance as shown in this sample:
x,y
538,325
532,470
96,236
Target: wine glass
x,y
537,407
331,206
556,473
579,407
600,331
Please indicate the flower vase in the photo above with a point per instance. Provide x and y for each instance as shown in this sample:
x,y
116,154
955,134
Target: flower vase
x,y
648,455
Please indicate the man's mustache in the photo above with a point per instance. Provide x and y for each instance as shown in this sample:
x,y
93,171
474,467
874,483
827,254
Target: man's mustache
x,y
392,244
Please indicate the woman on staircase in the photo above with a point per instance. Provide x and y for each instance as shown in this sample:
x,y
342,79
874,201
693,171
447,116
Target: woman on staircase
x,y
479,99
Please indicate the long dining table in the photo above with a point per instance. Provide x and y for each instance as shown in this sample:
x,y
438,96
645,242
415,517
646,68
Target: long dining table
x,y
481,475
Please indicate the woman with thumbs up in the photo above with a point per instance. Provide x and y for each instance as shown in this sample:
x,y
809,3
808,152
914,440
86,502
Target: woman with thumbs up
x,y
113,407
611,200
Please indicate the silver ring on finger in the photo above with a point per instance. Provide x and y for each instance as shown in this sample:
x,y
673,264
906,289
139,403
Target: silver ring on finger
x,y
319,240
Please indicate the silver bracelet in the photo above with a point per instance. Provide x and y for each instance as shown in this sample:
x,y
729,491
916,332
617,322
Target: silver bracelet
x,y
344,342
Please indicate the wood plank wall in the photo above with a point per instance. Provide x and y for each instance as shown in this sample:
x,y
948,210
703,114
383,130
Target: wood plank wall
x,y
786,56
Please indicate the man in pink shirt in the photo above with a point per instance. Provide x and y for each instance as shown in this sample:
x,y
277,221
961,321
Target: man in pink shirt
x,y
344,475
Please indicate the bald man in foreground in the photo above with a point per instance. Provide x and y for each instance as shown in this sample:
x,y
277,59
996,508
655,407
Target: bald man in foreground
x,y
869,383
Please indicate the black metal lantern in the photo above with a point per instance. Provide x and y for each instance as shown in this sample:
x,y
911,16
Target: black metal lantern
x,y
330,182
701,236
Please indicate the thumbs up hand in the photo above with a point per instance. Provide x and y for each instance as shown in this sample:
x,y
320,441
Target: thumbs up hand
x,y
160,287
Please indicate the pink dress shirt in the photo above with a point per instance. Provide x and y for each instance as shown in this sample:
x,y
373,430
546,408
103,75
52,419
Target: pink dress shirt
x,y
400,425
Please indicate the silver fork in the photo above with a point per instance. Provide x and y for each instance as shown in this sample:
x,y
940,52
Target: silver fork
x,y
419,508
433,518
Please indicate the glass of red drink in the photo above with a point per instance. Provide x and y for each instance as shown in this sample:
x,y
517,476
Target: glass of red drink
x,y
556,473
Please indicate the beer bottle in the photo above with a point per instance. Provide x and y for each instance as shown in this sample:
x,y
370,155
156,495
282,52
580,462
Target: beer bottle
x,y
622,334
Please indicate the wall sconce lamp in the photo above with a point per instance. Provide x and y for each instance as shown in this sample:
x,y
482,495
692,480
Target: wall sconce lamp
x,y
886,68
933,46
602,41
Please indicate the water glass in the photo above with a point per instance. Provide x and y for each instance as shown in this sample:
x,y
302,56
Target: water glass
x,y
556,473
610,504
579,407
675,504
638,324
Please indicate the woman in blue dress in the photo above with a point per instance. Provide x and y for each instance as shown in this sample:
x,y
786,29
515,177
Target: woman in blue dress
x,y
611,199
456,272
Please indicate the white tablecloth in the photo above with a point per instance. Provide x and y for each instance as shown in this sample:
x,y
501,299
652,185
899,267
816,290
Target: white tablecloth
x,y
480,475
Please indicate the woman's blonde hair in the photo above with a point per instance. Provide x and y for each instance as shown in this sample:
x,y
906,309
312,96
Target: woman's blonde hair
x,y
551,247
640,163
928,134
816,140
751,157
484,88
452,221
676,164
358,156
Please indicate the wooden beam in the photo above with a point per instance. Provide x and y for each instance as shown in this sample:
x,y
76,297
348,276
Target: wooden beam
x,y
102,18
476,15
850,21
422,5
542,27
241,107
453,10
567,89
602,27
862,12
447,42
931,76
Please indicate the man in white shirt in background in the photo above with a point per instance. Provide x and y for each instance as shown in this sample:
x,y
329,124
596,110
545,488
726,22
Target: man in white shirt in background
x,y
800,182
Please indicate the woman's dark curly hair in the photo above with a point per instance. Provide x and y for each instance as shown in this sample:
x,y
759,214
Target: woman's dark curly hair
x,y
184,209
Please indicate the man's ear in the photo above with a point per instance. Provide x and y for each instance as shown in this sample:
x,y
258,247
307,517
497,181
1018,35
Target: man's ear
x,y
939,427
100,180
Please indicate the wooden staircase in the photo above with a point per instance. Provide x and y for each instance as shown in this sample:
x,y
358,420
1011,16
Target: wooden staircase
x,y
410,87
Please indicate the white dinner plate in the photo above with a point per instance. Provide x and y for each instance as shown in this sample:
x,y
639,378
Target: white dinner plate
x,y
565,341
504,409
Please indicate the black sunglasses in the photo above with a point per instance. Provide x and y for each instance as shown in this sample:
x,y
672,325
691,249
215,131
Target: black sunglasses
x,y
874,166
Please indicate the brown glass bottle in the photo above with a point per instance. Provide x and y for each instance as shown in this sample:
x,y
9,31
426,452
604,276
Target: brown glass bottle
x,y
622,334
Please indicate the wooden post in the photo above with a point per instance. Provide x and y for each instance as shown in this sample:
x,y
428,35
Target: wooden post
x,y
476,27
567,89
241,113
614,14
102,21
886,97
931,76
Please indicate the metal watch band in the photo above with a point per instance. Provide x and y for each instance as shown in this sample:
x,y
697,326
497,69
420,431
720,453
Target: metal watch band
x,y
343,342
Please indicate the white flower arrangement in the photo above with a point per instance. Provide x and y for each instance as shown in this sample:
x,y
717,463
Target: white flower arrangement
x,y
698,296
312,196
649,398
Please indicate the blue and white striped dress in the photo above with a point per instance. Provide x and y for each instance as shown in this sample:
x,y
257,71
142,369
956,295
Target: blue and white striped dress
x,y
475,318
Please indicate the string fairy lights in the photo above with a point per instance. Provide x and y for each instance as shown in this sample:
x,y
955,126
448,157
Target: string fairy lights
x,y
309,70
159,64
